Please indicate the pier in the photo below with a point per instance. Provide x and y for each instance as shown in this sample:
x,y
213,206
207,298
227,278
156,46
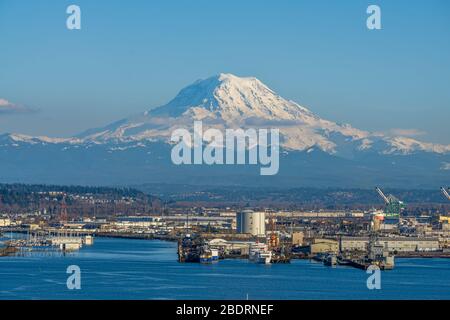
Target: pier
x,y
47,241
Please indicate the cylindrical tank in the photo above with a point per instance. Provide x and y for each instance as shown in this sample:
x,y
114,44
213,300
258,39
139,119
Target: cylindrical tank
x,y
249,221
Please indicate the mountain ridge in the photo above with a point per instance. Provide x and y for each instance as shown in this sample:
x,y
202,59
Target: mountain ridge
x,y
227,101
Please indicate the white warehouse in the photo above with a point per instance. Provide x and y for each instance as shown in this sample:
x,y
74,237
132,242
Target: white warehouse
x,y
399,244
249,221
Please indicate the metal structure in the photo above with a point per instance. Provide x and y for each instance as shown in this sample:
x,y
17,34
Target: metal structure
x,y
249,221
445,192
382,195
394,206
273,238
63,214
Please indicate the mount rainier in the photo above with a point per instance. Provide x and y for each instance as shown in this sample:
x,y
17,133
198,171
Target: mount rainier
x,y
314,151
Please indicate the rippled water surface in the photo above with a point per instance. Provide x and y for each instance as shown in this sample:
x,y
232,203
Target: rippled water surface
x,y
142,269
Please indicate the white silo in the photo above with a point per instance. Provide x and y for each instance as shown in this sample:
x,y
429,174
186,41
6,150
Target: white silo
x,y
249,221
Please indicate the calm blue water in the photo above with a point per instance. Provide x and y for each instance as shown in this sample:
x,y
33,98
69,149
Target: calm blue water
x,y
141,269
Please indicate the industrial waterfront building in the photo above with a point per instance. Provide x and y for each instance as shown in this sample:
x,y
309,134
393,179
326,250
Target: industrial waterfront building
x,y
394,244
324,246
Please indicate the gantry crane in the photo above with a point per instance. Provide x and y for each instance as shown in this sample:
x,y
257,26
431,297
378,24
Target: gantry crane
x,y
442,218
382,195
445,192
393,206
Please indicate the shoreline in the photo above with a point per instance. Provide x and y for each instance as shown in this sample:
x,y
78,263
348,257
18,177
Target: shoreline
x,y
170,238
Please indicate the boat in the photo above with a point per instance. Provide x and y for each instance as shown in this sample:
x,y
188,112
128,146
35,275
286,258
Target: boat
x,y
206,256
215,254
259,253
193,248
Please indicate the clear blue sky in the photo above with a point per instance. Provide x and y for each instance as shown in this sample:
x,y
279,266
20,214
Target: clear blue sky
x,y
134,55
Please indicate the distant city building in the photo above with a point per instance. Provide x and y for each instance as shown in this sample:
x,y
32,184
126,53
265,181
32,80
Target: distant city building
x,y
324,246
297,238
399,244
444,219
5,222
249,221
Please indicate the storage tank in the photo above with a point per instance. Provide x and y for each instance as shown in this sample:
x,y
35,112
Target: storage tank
x,y
249,221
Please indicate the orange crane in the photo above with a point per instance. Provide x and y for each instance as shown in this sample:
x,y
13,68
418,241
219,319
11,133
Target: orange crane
x,y
273,238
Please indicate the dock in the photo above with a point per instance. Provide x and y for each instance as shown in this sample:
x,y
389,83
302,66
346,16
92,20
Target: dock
x,y
46,242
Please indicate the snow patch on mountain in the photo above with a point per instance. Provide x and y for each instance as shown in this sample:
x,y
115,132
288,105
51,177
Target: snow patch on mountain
x,y
406,145
41,139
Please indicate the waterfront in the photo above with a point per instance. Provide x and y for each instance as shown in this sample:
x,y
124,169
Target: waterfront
x,y
141,269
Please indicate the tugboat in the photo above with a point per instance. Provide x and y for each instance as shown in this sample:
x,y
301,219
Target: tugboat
x,y
215,254
206,255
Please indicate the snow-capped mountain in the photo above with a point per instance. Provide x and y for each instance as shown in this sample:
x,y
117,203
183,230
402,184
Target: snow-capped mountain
x,y
228,101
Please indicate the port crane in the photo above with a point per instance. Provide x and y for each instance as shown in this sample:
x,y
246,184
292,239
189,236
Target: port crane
x,y
445,192
382,195
393,205
445,219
